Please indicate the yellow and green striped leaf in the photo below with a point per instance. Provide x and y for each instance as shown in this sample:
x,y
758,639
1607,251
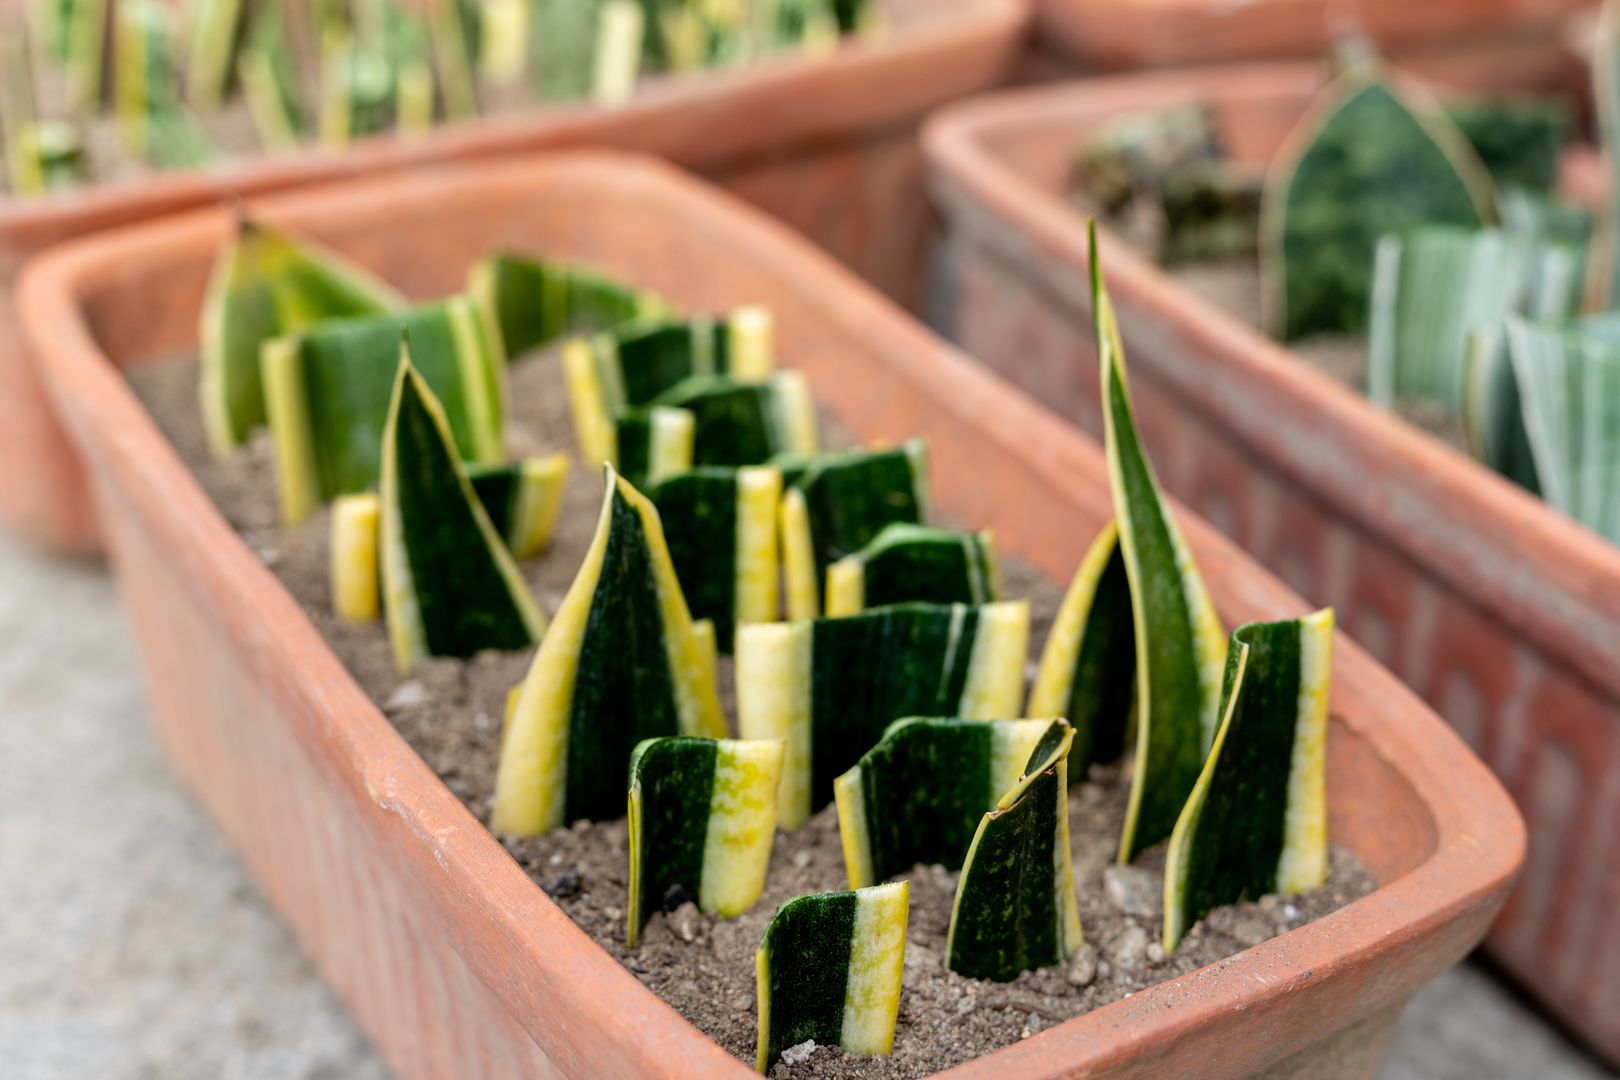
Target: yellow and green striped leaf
x,y
907,562
702,822
1256,822
829,969
621,662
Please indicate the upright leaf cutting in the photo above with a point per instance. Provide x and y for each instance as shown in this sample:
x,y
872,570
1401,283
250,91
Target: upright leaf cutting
x,y
1256,822
915,562
702,821
1604,285
327,388
836,504
919,794
1088,667
1015,907
720,524
829,970
264,285
450,586
1493,410
621,662
746,423
830,687
1360,165
523,499
527,303
1179,646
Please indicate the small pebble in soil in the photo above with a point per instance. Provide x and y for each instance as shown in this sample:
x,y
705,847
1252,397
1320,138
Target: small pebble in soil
x,y
1128,951
685,922
564,886
1134,890
793,1055
1083,967
408,695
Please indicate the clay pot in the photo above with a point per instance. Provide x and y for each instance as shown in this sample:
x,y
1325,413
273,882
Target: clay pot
x,y
1502,613
826,144
453,961
1160,33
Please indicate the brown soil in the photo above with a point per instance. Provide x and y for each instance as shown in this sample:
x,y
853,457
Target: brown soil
x,y
450,710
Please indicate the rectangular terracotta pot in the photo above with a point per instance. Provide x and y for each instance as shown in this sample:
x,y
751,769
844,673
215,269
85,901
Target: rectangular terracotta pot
x,y
449,956
828,145
1501,612
1161,33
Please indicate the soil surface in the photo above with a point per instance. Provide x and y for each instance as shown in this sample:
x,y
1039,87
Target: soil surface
x,y
450,713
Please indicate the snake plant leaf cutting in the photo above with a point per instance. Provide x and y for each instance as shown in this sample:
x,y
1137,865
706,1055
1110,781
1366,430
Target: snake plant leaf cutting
x,y
830,687
1256,822
1492,410
267,72
1432,287
836,504
829,969
1604,290
915,562
641,360
1015,906
215,31
918,795
450,586
1087,671
1179,644
356,593
73,36
1518,140
1361,164
528,302
264,285
720,525
327,391
621,662
652,443
1568,381
522,499
702,821
746,423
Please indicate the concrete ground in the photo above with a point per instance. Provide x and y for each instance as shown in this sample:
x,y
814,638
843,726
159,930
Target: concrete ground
x,y
134,946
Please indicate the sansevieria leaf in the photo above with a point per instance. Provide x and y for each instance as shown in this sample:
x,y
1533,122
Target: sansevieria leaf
x,y
527,303
523,499
829,970
1256,822
327,392
836,504
919,794
651,444
1015,906
265,285
702,821
915,562
450,586
1568,380
637,362
621,662
1179,643
1492,409
1362,164
1088,667
1604,287
830,687
720,524
746,423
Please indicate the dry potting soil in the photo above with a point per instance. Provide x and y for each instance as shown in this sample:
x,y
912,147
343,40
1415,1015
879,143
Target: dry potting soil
x,y
450,712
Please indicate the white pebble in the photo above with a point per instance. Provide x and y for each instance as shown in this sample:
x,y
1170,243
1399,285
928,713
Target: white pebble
x,y
793,1055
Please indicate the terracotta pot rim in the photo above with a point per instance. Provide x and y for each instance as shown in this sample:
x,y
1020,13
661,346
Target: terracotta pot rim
x,y
1479,837
1570,597
968,20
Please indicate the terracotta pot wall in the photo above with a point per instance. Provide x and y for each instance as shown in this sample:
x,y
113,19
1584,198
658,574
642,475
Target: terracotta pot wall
x,y
454,961
1502,614
827,145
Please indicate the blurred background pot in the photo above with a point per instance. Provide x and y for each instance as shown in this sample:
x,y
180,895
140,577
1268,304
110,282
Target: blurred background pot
x,y
452,960
826,144
1502,613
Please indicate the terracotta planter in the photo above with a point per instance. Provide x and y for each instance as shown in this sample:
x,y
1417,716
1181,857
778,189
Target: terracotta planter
x,y
452,960
1161,33
1502,613
827,145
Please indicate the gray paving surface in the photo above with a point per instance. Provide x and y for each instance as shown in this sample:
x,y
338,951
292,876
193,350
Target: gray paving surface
x,y
133,945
